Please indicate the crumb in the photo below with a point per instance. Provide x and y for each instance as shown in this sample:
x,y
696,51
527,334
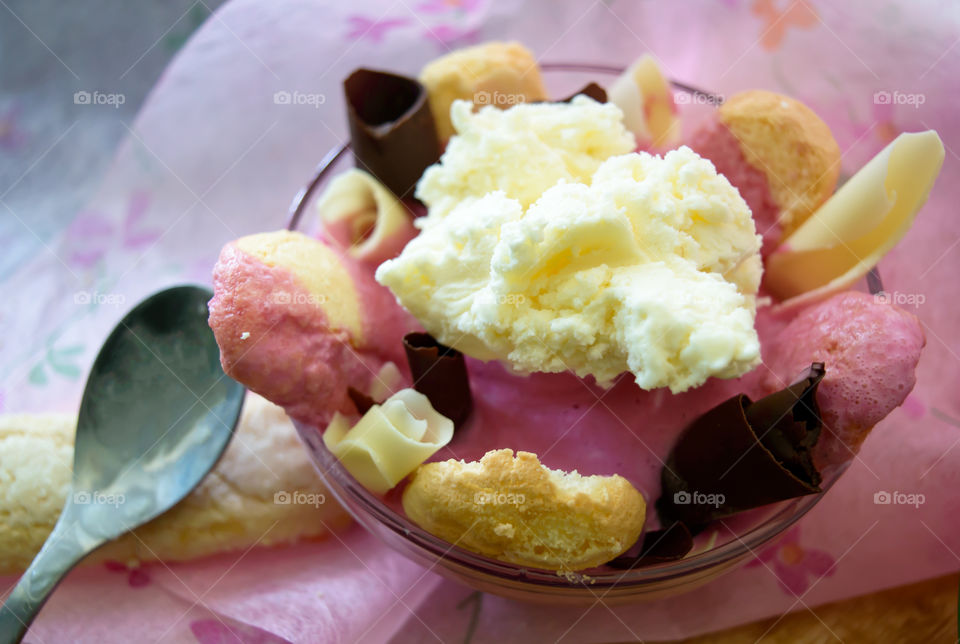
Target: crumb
x,y
504,530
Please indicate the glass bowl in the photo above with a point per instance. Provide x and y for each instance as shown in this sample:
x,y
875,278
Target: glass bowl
x,y
725,545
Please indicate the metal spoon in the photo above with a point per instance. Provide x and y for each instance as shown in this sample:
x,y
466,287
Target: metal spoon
x,y
157,413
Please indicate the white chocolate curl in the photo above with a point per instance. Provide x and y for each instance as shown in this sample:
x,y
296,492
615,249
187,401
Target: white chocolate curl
x,y
645,97
388,381
364,217
390,441
859,224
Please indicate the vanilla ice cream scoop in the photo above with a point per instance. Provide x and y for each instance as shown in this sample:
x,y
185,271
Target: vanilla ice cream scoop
x,y
522,151
650,266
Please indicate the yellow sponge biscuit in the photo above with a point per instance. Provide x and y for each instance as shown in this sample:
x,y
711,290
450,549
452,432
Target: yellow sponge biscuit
x,y
317,267
263,491
791,145
501,74
515,509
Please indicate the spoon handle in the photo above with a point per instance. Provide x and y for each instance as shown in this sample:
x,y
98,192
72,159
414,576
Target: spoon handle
x,y
61,552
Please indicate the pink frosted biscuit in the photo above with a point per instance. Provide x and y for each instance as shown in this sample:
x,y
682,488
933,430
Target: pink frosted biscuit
x,y
870,349
779,151
298,323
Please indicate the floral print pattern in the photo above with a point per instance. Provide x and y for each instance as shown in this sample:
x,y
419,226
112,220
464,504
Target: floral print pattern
x,y
442,6
11,136
776,21
92,234
137,577
374,30
795,567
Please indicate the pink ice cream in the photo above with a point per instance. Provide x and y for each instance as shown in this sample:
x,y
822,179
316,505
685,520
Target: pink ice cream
x,y
870,350
298,347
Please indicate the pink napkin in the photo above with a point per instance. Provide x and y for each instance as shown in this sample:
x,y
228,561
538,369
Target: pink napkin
x,y
347,588
213,156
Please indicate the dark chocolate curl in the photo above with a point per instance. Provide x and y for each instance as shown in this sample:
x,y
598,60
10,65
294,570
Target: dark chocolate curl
x,y
362,401
743,454
658,546
792,434
592,90
392,131
440,374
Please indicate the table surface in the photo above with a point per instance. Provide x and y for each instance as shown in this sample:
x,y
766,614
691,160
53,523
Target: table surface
x,y
53,151
923,612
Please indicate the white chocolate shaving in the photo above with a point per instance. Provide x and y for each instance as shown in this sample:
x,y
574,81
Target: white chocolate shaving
x,y
390,441
646,99
388,381
859,224
355,202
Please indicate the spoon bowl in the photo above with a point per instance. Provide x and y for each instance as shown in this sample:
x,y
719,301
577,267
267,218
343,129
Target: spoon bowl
x,y
157,413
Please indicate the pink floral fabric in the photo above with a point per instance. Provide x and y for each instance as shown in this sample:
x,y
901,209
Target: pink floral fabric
x,y
212,157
